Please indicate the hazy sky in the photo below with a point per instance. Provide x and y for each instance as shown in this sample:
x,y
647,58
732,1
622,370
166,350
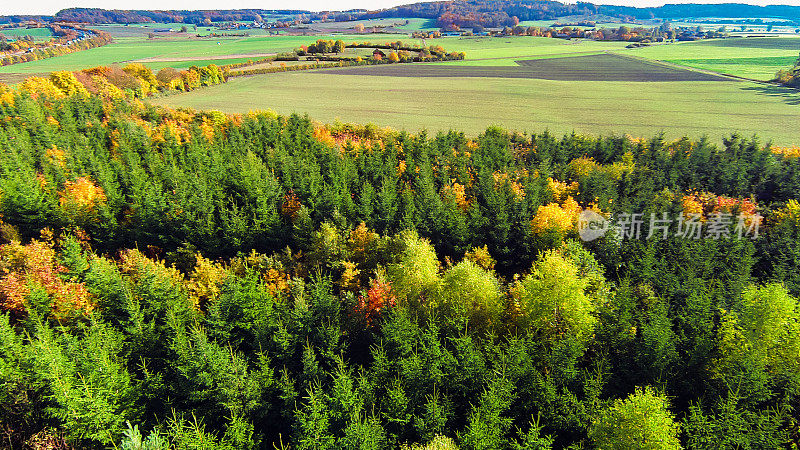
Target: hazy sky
x,y
51,6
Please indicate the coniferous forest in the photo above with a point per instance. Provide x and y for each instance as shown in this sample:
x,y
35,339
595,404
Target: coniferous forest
x,y
194,280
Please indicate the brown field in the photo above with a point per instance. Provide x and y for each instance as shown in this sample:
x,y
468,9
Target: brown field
x,y
604,67
14,78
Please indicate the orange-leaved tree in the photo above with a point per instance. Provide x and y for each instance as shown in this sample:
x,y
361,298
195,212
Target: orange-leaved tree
x,y
31,280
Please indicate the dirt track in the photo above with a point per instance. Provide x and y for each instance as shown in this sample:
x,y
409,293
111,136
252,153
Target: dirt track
x,y
606,67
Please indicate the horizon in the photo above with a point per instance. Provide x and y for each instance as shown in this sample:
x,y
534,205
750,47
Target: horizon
x,y
50,7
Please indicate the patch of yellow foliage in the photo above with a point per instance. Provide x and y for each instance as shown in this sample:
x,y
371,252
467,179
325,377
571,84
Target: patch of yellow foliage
x,y
456,190
56,156
6,96
205,281
41,87
582,166
555,217
789,152
173,129
27,269
106,89
560,189
790,212
502,178
481,257
207,128
81,194
68,84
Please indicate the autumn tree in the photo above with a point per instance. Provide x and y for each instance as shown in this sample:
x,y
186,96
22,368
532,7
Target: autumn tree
x,y
641,421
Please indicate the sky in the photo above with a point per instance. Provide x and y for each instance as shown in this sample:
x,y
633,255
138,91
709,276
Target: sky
x,y
51,6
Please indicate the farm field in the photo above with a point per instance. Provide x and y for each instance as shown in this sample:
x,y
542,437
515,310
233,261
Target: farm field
x,y
520,47
142,29
128,50
414,24
603,67
712,108
756,58
38,34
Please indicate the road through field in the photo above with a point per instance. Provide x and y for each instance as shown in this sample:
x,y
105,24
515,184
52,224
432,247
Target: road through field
x,y
685,108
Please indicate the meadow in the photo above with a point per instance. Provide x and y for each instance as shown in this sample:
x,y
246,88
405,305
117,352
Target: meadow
x,y
38,34
756,58
480,49
678,109
169,52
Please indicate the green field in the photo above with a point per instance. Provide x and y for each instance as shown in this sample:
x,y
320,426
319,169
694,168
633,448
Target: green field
x,y
126,50
471,104
38,34
142,29
756,58
414,24
480,48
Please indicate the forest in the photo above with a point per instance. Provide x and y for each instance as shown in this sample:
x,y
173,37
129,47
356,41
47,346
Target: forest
x,y
186,279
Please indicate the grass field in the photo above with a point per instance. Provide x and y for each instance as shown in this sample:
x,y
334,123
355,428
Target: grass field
x,y
142,29
38,34
756,58
414,24
123,51
603,67
696,108
495,48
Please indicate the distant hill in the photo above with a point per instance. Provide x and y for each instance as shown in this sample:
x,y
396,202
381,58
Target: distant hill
x,y
694,10
469,13
454,13
97,15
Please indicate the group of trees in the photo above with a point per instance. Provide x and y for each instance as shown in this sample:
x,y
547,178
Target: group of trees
x,y
398,52
182,279
133,80
622,33
790,77
322,46
65,41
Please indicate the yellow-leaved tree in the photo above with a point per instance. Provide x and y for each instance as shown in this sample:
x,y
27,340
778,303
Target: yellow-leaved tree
x,y
556,301
415,273
68,84
6,96
760,335
41,87
642,421
472,292
80,199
